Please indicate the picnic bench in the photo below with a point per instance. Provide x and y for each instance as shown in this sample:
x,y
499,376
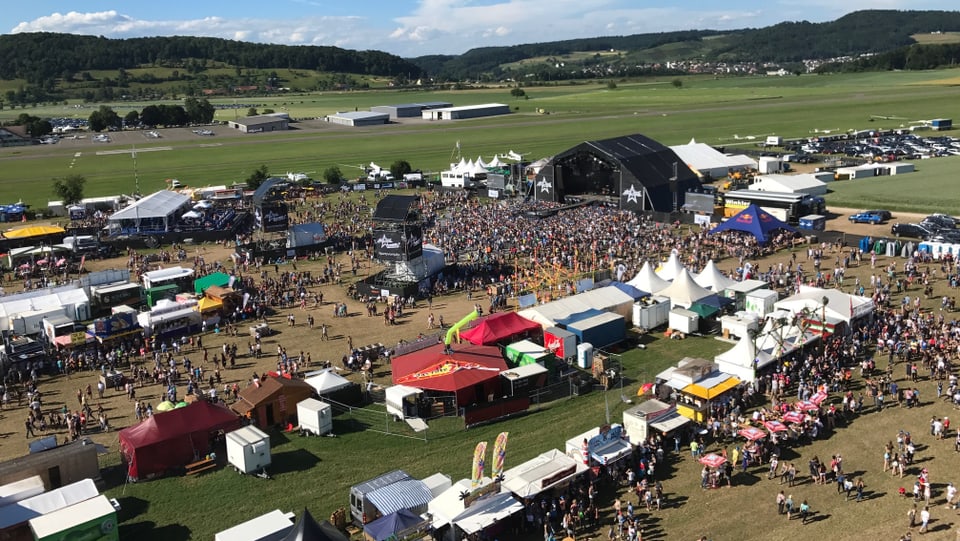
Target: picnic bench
x,y
201,466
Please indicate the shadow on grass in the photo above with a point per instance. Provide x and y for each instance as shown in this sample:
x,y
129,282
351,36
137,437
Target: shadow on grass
x,y
817,517
870,495
293,461
131,507
743,479
149,530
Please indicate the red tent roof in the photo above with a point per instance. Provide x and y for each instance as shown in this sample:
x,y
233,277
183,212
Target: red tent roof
x,y
433,370
173,438
497,327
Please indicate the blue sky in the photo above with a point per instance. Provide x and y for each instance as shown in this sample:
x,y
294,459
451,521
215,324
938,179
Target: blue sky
x,y
417,27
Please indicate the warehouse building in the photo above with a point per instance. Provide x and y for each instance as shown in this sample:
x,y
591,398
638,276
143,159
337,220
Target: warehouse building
x,y
358,118
466,111
804,183
409,110
261,123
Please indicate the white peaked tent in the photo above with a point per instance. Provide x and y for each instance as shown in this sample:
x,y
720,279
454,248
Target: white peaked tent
x,y
647,280
327,382
480,162
670,269
495,162
839,305
741,359
684,291
711,278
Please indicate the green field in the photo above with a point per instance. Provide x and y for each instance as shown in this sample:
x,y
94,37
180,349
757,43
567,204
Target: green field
x,y
933,188
707,109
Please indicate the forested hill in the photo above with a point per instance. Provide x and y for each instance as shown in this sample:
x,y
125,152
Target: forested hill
x,y
39,57
872,31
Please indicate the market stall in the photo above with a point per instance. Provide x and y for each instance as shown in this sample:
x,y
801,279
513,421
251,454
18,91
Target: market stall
x,y
549,470
602,445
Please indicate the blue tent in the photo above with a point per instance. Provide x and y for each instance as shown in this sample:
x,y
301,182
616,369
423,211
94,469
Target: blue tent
x,y
755,221
637,294
393,525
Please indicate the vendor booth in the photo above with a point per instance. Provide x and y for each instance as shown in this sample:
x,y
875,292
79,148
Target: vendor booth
x,y
601,330
652,417
332,387
739,324
471,373
95,518
561,342
738,292
402,524
524,380
549,470
272,401
175,438
696,399
272,526
15,518
602,445
827,307
651,312
489,514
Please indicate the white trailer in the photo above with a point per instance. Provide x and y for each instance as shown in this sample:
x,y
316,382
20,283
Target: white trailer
x,y
248,449
315,417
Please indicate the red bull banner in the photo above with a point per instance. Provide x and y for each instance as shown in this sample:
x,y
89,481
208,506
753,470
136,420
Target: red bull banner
x,y
499,453
479,458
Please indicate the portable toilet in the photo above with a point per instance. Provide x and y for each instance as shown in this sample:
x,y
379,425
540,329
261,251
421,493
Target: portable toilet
x,y
585,355
248,449
315,417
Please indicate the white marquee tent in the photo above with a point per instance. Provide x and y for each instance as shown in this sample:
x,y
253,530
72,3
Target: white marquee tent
x,y
542,473
711,278
684,291
839,305
670,269
647,280
741,360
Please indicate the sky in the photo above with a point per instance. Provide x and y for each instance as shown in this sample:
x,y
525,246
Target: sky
x,y
412,28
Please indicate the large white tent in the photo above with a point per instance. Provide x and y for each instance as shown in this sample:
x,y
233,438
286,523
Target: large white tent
x,y
549,313
741,360
447,508
608,299
647,280
670,269
839,305
707,160
684,291
327,381
155,211
711,278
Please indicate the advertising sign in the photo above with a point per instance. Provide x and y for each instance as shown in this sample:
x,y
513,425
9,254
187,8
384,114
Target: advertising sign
x,y
271,217
388,245
414,242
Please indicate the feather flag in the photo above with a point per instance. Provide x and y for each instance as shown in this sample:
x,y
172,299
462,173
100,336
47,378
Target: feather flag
x,y
479,458
499,453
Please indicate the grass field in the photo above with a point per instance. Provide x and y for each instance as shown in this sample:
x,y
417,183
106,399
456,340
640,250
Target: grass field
x,y
938,38
933,190
709,110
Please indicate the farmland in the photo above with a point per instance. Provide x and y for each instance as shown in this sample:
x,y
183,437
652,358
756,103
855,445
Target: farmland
x,y
709,110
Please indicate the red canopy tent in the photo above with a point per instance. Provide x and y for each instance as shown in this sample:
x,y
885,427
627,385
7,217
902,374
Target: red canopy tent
x,y
498,327
470,372
173,438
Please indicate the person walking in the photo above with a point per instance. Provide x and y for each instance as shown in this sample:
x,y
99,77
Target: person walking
x,y
924,519
789,505
781,502
912,515
804,512
859,489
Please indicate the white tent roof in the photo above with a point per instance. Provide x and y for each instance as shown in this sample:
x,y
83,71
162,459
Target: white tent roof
x,y
711,278
703,157
155,205
480,162
670,269
327,381
647,280
743,355
495,162
789,183
609,299
447,508
684,291
548,314
840,305
526,480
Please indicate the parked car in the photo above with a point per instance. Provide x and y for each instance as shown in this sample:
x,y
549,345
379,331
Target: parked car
x,y
885,214
866,217
942,221
911,230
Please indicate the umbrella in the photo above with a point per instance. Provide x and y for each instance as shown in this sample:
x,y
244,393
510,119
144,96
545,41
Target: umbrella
x,y
712,460
166,405
775,426
819,397
644,389
793,417
752,433
806,405
42,262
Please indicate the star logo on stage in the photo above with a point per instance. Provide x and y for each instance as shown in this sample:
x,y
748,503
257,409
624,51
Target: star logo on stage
x,y
545,185
632,194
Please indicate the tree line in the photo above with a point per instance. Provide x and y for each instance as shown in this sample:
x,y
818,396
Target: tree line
x,y
43,57
193,111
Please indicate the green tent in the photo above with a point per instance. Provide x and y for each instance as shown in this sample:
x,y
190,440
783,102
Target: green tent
x,y
219,279
527,352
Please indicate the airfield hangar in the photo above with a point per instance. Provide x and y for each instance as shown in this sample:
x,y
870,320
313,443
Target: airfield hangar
x,y
260,123
409,110
642,174
357,119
